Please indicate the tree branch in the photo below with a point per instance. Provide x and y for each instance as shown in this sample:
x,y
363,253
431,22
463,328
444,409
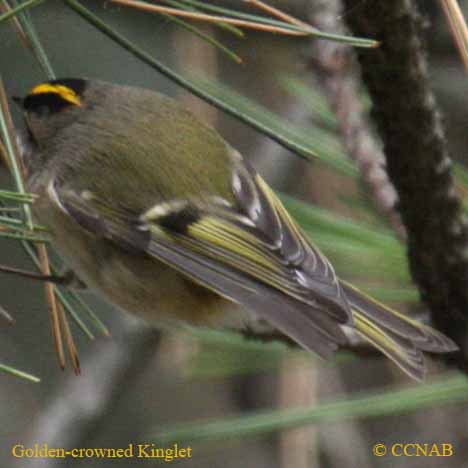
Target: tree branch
x,y
418,162
338,75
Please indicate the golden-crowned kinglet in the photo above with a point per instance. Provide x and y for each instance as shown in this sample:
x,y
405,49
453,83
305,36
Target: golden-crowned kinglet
x,y
156,212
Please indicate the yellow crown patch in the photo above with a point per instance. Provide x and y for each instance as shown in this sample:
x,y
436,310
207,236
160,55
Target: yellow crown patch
x,y
67,94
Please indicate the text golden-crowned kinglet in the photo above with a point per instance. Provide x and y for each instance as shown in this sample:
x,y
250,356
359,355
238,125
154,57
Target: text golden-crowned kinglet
x,y
155,211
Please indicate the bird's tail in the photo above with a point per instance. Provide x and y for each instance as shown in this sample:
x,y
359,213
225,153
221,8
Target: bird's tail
x,y
397,336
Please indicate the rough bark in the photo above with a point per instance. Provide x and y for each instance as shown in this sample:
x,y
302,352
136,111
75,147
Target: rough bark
x,y
407,118
334,64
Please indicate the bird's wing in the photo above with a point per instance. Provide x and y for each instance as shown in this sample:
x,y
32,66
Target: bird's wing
x,y
250,252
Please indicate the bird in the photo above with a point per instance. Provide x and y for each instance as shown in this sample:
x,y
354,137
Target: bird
x,y
156,212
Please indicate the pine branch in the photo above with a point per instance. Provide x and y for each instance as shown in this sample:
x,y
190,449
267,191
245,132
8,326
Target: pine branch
x,y
418,162
339,78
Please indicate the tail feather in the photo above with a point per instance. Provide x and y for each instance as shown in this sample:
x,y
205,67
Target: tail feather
x,y
400,350
422,336
399,337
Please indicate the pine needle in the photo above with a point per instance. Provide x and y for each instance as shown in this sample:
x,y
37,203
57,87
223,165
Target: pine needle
x,y
6,315
53,307
301,31
9,12
15,163
72,351
458,27
18,373
277,13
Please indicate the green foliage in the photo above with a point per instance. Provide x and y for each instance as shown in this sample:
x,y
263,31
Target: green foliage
x,y
316,143
391,402
18,373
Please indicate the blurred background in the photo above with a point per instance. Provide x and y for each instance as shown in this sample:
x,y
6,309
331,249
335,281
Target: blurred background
x,y
136,383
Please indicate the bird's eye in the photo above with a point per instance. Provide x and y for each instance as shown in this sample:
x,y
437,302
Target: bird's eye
x,y
45,104
43,111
